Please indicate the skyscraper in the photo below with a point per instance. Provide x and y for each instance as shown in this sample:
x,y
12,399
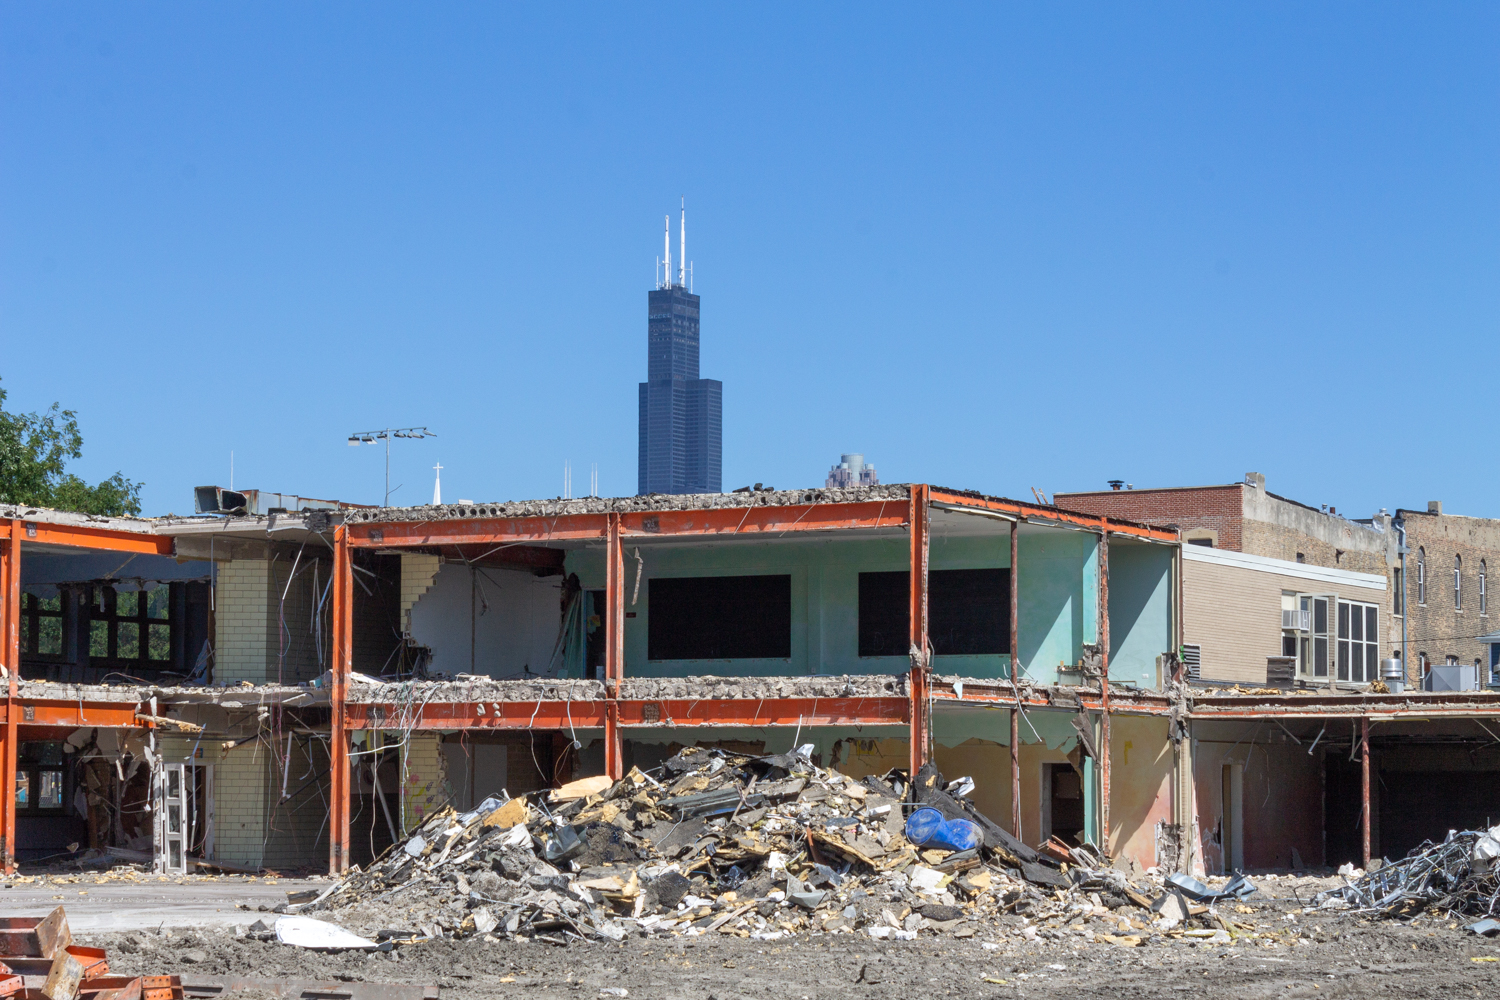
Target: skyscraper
x,y
681,426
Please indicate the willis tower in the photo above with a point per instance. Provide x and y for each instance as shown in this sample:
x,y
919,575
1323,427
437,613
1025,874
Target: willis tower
x,y
680,413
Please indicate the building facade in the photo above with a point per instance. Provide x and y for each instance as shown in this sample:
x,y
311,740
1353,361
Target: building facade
x,y
1273,588
1449,618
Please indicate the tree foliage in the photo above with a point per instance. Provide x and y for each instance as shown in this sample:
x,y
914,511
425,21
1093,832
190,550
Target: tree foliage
x,y
34,451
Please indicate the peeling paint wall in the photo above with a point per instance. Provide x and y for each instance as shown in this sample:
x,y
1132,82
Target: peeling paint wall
x,y
1140,785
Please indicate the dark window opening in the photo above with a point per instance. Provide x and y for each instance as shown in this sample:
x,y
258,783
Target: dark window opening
x,y
968,612
40,778
1205,542
720,618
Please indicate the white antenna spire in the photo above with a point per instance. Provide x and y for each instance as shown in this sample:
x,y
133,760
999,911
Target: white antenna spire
x,y
682,256
437,486
667,243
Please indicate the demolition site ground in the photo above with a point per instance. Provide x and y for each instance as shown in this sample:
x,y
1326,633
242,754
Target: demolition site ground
x,y
1281,950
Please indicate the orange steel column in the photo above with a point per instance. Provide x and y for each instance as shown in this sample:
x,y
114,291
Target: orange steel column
x,y
1364,790
1104,744
10,634
343,661
1015,675
614,647
921,660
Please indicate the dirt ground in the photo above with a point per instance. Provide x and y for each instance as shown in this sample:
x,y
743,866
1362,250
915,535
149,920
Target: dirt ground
x,y
1282,950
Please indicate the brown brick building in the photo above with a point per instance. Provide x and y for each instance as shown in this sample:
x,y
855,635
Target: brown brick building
x,y
1448,561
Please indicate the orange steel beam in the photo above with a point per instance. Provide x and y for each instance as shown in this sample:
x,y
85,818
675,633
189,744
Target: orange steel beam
x,y
1015,672
73,714
342,662
520,715
614,646
920,651
10,638
572,527
40,533
635,713
1364,790
1089,521
1104,744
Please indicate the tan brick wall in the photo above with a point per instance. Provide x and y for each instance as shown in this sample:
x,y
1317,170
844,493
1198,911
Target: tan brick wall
x,y
242,621
1234,614
1437,628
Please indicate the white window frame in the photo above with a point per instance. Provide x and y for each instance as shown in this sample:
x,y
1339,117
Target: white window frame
x,y
1366,645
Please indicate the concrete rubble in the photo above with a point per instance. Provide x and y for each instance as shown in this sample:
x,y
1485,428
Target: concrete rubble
x,y
759,847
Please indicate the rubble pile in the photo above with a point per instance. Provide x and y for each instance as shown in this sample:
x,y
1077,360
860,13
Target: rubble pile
x,y
1457,877
760,847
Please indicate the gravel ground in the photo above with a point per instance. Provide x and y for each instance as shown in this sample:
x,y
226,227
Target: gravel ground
x,y
1279,949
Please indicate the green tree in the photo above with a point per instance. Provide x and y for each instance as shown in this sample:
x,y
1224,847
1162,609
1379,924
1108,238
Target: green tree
x,y
35,448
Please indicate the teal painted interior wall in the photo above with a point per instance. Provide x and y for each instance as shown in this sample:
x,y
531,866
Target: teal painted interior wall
x,y
825,599
1059,603
1140,610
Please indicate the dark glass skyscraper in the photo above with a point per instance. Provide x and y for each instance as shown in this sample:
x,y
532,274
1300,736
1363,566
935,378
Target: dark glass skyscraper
x,y
680,414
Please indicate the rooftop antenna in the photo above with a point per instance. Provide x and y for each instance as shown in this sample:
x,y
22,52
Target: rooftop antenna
x,y
682,255
667,243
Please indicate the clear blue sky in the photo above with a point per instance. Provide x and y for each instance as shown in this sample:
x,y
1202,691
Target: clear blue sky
x,y
990,246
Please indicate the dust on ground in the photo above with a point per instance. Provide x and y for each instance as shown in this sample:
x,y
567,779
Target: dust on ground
x,y
1295,952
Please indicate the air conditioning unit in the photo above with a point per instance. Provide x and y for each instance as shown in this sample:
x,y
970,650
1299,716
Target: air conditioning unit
x,y
1192,661
1301,621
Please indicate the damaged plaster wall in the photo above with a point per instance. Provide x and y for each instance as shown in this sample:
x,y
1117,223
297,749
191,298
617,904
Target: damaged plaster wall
x,y
1058,599
1140,790
514,616
1140,609
1281,795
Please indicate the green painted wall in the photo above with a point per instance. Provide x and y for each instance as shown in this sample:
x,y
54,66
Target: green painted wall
x,y
1140,610
825,600
1058,606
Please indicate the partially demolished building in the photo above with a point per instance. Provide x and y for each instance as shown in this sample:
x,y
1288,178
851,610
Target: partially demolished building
x,y
304,686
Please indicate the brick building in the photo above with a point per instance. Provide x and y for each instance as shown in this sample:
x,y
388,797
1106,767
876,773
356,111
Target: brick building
x,y
1271,585
1448,560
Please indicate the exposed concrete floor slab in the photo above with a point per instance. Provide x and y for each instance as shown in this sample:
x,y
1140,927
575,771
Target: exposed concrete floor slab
x,y
95,903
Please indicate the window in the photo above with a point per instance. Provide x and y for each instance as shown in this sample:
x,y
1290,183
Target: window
x,y
1484,600
1207,543
42,626
1301,557
1421,576
1398,593
131,625
1458,583
1320,636
1358,642
39,777
720,618
968,612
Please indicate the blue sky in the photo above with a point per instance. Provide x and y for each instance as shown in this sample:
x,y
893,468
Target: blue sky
x,y
990,246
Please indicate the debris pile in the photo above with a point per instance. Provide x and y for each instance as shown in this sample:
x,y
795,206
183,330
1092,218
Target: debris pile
x,y
1458,877
760,847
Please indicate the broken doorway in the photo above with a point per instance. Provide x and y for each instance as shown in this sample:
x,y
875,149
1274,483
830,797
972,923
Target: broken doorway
x,y
1062,803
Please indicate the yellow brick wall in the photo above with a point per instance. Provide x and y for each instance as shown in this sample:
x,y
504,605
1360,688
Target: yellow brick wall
x,y
424,789
417,573
242,621
239,804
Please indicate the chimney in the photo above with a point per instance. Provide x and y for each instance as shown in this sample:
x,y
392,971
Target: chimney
x,y
1434,507
1116,484
1255,479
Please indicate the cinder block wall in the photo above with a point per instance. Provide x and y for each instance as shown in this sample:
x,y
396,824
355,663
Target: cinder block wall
x,y
242,621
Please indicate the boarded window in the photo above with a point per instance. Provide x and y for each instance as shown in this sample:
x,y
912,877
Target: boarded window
x,y
968,612
720,618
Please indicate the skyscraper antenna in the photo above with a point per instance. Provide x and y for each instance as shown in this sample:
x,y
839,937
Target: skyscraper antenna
x,y
682,255
667,243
